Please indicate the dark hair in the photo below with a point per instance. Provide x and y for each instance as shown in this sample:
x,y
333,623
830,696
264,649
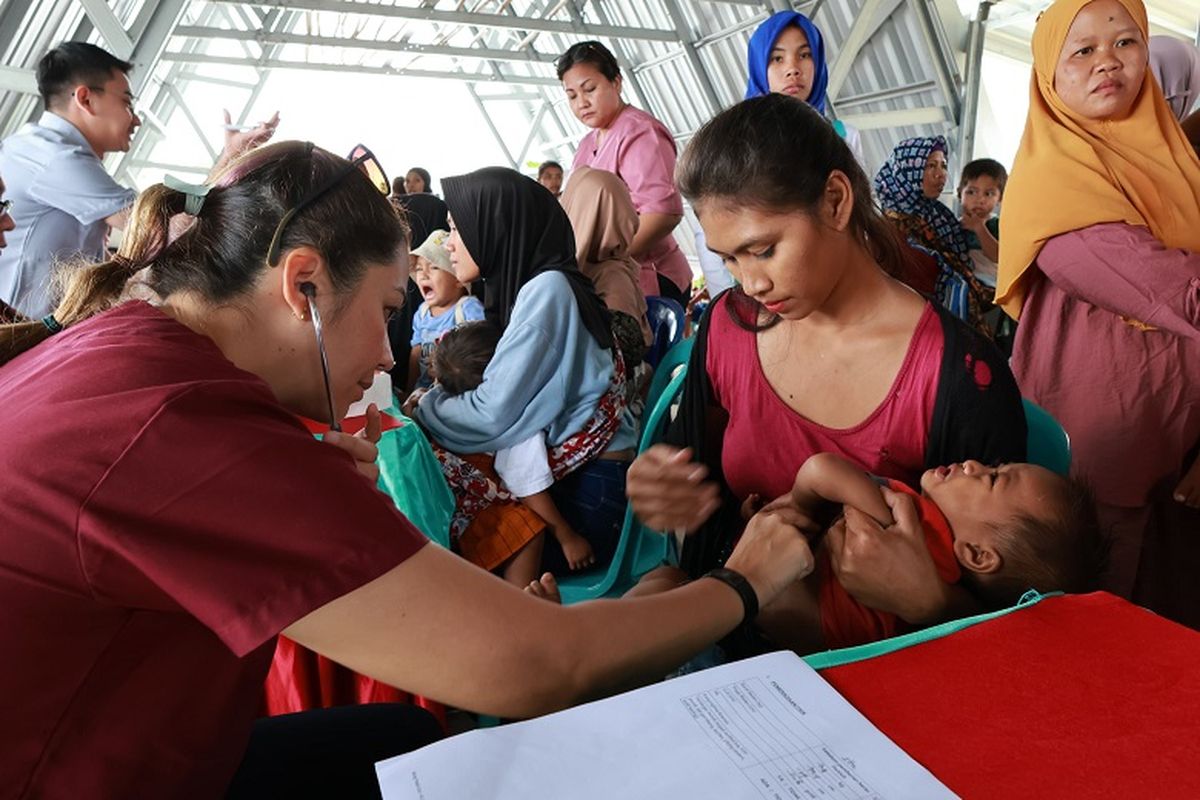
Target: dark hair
x,y
398,186
981,167
462,354
1063,549
71,63
224,249
776,152
590,52
424,173
547,165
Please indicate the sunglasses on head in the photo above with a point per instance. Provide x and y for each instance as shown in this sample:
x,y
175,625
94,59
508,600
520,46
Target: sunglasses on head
x,y
362,160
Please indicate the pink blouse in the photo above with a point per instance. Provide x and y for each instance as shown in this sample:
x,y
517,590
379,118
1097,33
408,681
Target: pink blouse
x,y
641,151
1128,398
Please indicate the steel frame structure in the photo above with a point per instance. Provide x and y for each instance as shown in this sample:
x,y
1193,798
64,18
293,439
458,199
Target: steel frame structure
x,y
897,67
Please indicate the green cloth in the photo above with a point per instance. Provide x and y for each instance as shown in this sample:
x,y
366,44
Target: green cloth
x,y
409,473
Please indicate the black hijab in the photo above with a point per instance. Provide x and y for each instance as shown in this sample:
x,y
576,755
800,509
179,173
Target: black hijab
x,y
515,230
425,213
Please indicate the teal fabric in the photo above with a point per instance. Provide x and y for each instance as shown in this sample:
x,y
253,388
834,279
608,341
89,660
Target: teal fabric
x,y
409,473
850,655
1048,444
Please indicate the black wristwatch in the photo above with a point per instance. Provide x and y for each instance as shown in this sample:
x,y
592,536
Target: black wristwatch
x,y
739,584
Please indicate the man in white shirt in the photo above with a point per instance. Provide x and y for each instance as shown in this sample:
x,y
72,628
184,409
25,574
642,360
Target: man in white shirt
x,y
63,201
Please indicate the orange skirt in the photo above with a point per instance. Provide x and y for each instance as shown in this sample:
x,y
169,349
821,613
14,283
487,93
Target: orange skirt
x,y
501,530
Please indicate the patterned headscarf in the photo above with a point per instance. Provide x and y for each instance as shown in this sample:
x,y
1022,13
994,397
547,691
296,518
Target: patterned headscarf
x,y
899,188
930,226
758,55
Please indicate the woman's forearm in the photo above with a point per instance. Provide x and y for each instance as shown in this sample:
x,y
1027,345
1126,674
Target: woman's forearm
x,y
652,228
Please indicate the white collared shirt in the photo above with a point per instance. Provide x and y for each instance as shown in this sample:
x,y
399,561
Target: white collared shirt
x,y
61,196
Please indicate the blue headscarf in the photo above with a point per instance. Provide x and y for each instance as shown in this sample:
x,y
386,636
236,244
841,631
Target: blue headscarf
x,y
758,56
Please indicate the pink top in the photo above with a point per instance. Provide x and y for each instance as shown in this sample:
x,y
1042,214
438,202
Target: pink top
x,y
641,151
163,519
766,442
1129,399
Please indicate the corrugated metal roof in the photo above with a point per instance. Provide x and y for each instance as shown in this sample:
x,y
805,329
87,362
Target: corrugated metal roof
x,y
684,60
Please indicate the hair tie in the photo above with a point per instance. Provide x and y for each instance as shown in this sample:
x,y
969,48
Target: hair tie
x,y
52,324
194,193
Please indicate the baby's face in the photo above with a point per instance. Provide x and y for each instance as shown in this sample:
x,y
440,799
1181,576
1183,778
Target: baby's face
x,y
980,196
974,497
438,287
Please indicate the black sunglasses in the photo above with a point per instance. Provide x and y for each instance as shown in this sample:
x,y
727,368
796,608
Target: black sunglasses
x,y
362,160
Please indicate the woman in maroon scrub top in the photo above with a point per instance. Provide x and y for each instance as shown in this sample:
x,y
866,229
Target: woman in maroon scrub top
x,y
165,516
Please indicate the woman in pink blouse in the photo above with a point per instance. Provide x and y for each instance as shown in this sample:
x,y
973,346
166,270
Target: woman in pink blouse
x,y
1101,262
641,150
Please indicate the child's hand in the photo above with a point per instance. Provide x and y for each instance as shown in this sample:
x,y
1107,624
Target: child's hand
x,y
577,550
1188,490
972,222
751,506
410,402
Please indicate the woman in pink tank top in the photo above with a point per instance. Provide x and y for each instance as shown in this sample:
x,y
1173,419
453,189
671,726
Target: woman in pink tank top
x,y
819,349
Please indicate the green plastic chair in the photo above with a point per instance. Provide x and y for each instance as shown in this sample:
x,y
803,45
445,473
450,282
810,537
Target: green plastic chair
x,y
639,549
674,358
1047,444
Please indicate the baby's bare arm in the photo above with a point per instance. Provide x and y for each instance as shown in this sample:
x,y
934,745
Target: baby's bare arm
x,y
828,478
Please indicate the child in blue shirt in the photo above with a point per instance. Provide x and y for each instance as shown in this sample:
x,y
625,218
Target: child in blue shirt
x,y
447,304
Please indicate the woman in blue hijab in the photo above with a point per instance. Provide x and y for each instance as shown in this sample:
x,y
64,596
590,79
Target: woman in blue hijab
x,y
787,56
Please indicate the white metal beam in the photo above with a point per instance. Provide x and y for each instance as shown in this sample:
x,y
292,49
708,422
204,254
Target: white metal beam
x,y
464,18
894,119
109,26
487,119
182,105
13,79
358,69
870,17
277,37
693,58
145,54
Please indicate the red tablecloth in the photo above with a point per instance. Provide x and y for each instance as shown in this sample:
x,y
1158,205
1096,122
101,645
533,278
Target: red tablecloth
x,y
1081,696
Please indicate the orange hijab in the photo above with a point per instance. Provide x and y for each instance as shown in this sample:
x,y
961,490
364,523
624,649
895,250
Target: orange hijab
x,y
1071,173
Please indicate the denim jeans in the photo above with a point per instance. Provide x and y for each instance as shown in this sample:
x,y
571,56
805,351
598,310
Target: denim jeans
x,y
592,500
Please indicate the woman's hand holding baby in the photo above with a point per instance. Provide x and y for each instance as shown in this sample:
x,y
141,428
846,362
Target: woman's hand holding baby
x,y
888,569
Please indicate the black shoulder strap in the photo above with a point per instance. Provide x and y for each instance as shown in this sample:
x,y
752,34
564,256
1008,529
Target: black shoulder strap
x,y
977,411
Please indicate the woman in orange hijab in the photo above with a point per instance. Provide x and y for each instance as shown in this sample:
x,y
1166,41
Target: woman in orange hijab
x,y
1100,261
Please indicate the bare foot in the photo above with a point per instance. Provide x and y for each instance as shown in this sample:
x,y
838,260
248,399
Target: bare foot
x,y
546,588
576,549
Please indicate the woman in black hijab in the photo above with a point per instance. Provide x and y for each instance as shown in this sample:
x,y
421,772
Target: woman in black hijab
x,y
556,371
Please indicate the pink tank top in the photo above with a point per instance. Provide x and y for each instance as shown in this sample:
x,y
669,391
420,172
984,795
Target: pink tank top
x,y
766,442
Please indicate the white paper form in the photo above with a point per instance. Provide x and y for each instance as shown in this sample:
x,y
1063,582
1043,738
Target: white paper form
x,y
768,728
